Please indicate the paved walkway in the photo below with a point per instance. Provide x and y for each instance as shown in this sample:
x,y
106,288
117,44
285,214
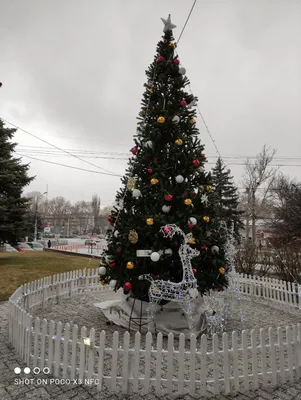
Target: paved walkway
x,y
12,389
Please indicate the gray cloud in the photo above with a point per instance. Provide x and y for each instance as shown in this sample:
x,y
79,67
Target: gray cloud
x,y
73,72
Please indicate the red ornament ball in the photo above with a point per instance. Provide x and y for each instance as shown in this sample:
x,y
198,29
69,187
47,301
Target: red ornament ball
x,y
150,170
118,250
110,219
183,103
128,286
158,276
194,271
134,150
112,264
167,229
168,197
204,155
204,247
190,225
196,163
176,61
160,59
185,194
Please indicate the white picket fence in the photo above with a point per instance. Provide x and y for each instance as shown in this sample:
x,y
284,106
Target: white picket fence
x,y
142,363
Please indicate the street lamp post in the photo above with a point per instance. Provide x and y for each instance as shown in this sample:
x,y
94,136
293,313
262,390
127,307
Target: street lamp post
x,y
36,220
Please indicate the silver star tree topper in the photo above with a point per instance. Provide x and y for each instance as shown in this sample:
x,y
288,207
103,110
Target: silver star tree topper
x,y
168,26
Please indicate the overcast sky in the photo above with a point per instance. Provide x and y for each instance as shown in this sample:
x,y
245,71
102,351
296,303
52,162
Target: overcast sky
x,y
73,74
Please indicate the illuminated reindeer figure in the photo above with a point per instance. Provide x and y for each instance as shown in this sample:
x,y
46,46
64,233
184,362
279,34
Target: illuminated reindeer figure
x,y
184,292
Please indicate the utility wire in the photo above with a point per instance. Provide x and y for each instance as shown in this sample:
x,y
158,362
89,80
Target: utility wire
x,y
187,19
66,151
70,166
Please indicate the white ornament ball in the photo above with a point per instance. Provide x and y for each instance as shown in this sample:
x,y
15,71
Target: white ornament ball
x,y
116,233
179,179
136,193
194,293
182,71
112,283
155,256
148,144
201,169
193,220
102,270
176,119
214,249
166,209
168,252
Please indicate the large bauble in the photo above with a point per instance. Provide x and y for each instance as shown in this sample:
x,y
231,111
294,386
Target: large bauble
x,y
155,256
179,179
102,270
193,220
214,249
166,209
136,193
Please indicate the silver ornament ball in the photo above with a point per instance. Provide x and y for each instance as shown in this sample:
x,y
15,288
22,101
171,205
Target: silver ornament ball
x,y
182,70
179,179
136,193
193,220
214,249
102,270
166,209
176,119
155,256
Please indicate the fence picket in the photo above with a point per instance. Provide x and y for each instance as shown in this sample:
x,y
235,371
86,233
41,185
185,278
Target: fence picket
x,y
281,355
125,363
263,357
114,361
289,353
136,357
272,357
82,353
43,343
235,360
101,359
147,360
204,365
91,355
181,364
215,357
74,348
296,352
66,350
57,350
245,357
36,341
254,359
169,372
226,363
192,364
51,345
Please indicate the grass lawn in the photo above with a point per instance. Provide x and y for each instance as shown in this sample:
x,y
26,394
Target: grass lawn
x,y
19,268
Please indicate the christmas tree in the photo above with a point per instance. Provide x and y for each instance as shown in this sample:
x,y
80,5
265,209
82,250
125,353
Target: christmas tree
x,y
226,198
165,183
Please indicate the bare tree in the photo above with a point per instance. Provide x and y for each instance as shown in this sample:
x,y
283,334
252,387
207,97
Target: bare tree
x,y
287,209
257,173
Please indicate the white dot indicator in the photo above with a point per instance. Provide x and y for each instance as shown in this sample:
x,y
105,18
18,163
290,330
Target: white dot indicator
x,y
26,370
17,370
36,370
46,370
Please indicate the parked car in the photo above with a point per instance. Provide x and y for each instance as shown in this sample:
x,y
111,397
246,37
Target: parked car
x,y
90,242
36,246
9,248
22,246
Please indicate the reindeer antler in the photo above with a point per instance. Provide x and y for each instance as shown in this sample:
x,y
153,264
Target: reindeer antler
x,y
170,230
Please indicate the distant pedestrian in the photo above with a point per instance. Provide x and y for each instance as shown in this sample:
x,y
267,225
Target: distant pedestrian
x,y
49,244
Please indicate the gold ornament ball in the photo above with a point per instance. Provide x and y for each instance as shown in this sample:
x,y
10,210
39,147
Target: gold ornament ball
x,y
172,45
208,188
154,181
206,219
179,142
133,237
188,202
150,221
131,183
191,121
222,270
161,120
192,241
130,265
149,90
